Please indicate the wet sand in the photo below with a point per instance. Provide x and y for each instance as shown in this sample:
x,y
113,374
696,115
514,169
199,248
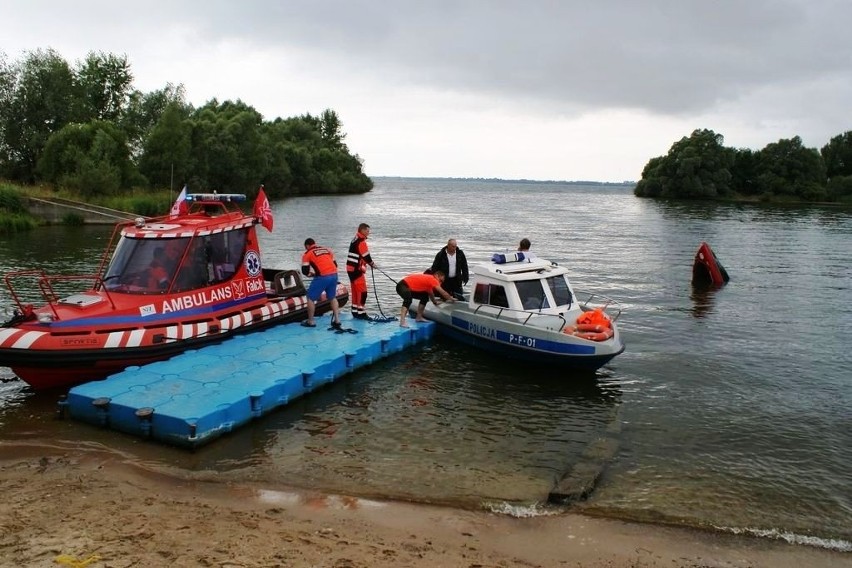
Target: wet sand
x,y
61,508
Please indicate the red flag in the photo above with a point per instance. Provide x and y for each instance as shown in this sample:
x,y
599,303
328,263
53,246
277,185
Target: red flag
x,y
180,207
262,210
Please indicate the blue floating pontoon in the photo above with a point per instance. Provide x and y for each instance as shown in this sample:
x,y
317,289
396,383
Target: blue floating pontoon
x,y
199,395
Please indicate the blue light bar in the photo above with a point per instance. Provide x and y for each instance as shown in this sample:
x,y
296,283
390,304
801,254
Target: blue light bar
x,y
227,197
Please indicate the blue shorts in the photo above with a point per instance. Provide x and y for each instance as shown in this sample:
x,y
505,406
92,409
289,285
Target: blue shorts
x,y
320,284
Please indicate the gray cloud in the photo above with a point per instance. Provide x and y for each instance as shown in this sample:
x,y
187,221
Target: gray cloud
x,y
666,57
523,83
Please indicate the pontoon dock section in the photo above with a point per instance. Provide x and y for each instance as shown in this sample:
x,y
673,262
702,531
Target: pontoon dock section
x,y
199,395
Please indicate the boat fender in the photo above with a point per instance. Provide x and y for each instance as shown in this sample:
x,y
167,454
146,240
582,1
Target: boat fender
x,y
503,258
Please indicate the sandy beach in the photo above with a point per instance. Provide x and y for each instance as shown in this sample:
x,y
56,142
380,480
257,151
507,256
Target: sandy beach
x,y
97,510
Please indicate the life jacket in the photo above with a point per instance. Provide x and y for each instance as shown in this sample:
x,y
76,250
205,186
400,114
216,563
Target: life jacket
x,y
358,257
594,317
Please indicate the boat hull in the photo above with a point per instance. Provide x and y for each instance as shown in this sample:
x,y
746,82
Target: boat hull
x,y
521,341
62,359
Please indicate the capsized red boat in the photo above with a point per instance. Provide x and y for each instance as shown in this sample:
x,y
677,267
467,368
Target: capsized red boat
x,y
706,269
164,285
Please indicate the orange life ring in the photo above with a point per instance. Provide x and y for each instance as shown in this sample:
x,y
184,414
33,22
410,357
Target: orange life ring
x,y
592,327
595,336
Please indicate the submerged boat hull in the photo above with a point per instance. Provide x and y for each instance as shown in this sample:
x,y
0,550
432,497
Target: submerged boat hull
x,y
706,268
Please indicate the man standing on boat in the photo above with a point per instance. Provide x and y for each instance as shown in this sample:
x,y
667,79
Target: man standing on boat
x,y
356,266
319,262
451,261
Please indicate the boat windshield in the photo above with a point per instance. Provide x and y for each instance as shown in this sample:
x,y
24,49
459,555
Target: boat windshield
x,y
155,266
561,291
532,295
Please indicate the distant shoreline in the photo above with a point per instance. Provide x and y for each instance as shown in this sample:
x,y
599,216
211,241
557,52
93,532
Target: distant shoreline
x,y
501,180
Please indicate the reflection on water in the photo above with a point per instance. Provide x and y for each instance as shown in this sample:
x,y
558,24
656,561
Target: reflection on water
x,y
702,297
441,424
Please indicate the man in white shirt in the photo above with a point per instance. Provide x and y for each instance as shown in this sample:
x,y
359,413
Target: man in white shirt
x,y
451,261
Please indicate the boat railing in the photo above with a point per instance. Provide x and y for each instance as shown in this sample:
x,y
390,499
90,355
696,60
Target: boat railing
x,y
591,301
47,289
543,320
586,301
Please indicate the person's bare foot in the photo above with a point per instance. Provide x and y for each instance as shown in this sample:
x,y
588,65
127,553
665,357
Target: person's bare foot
x,y
403,325
420,319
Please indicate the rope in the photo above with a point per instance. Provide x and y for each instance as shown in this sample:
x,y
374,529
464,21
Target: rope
x,y
385,273
383,318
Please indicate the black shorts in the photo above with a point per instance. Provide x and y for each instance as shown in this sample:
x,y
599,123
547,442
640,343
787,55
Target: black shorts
x,y
407,295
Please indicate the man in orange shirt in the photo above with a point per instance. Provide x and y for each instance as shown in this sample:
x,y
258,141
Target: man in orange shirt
x,y
423,287
319,262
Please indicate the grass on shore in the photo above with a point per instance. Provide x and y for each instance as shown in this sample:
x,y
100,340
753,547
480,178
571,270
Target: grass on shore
x,y
14,216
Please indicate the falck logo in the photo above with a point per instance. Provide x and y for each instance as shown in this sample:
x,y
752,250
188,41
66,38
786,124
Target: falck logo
x,y
252,263
239,288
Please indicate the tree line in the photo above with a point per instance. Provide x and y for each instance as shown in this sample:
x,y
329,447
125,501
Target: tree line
x,y
701,167
86,128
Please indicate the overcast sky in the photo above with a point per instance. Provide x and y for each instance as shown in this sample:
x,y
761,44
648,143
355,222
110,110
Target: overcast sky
x,y
547,90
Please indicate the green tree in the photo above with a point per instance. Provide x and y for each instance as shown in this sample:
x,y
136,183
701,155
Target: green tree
x,y
7,87
837,155
654,176
839,188
104,83
144,111
168,148
90,158
788,168
744,172
39,104
226,147
87,128
698,167
331,129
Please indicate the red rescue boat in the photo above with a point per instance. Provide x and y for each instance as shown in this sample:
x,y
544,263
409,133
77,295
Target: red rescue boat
x,y
706,269
164,285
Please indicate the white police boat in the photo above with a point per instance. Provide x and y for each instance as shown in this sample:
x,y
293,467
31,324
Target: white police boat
x,y
526,308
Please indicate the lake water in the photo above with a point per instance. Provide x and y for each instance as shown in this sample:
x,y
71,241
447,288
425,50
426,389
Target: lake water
x,y
729,410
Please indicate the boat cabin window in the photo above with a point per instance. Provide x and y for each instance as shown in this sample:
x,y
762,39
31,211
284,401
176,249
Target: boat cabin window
x,y
532,295
153,266
561,292
491,294
144,265
211,259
